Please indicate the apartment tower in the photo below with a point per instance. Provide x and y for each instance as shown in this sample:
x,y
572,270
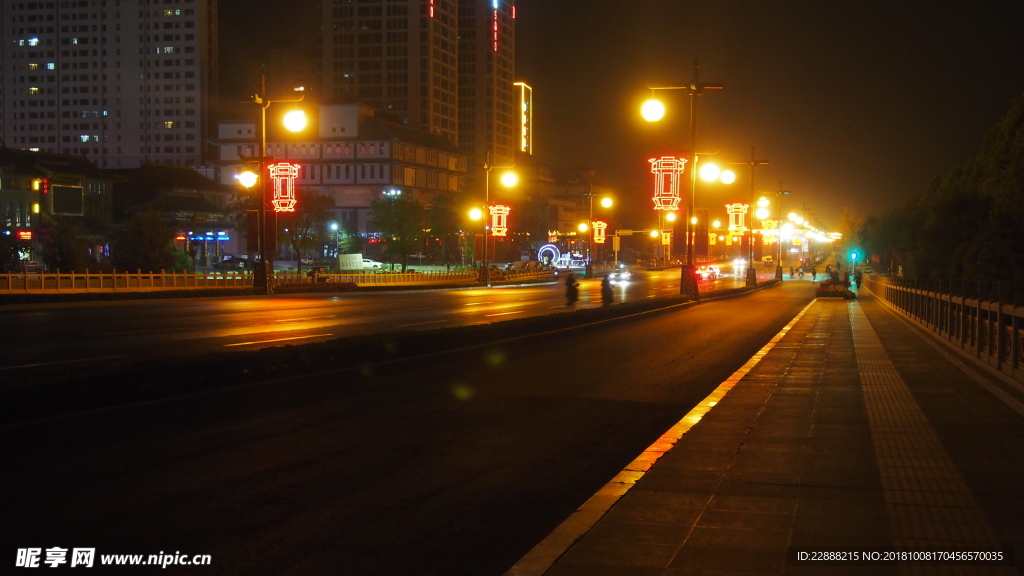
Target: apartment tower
x,y
121,82
439,66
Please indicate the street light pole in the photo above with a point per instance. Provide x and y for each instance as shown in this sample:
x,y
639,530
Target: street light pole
x,y
778,228
688,275
262,283
487,202
751,272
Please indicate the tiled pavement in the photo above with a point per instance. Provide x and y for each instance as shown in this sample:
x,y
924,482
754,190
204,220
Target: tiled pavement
x,y
848,433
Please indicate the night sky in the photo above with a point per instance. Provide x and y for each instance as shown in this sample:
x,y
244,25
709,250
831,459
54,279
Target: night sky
x,y
854,104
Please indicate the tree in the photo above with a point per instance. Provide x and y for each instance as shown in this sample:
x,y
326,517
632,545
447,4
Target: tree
x,y
63,249
304,226
969,224
443,220
145,243
400,220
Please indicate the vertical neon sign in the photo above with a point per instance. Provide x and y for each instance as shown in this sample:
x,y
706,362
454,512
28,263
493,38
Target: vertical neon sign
x,y
599,229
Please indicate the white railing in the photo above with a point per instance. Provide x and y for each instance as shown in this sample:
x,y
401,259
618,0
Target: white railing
x,y
119,281
70,282
381,278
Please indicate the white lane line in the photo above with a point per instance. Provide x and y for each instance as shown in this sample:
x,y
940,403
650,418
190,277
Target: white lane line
x,y
420,323
277,340
56,363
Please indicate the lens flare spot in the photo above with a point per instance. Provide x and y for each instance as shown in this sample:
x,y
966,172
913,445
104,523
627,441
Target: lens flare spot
x,y
495,357
366,369
463,391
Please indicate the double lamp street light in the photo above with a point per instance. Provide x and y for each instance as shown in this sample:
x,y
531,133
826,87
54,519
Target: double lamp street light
x,y
295,121
652,111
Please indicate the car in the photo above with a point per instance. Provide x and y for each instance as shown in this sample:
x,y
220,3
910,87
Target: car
x,y
708,272
233,263
32,267
620,275
372,264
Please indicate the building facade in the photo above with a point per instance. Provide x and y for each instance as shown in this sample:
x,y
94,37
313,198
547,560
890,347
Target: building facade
x,y
445,67
487,100
352,156
37,188
398,56
121,82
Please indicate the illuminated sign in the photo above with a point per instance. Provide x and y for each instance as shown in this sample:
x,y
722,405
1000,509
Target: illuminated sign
x,y
667,168
666,238
284,174
599,228
736,217
24,234
499,220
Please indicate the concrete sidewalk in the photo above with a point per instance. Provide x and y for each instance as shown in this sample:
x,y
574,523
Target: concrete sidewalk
x,y
848,434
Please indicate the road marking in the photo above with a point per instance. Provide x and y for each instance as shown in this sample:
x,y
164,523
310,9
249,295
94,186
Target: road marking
x,y
277,340
505,313
543,555
420,323
76,361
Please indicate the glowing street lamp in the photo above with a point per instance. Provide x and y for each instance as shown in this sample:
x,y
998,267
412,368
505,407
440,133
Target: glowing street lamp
x,y
605,202
295,121
508,179
653,111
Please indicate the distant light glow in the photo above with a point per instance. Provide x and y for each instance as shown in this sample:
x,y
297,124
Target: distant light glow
x,y
295,120
728,177
710,172
652,110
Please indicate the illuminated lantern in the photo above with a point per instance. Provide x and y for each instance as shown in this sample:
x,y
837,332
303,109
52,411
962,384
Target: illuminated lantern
x,y
284,174
737,222
499,220
667,168
599,228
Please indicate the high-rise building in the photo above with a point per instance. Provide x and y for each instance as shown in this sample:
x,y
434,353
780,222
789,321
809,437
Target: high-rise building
x,y
120,82
397,56
487,102
440,66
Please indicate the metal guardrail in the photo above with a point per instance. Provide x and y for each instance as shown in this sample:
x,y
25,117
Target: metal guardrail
x,y
989,329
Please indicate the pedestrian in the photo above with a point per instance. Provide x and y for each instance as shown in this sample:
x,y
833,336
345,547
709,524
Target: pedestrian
x,y
814,274
792,273
572,290
607,296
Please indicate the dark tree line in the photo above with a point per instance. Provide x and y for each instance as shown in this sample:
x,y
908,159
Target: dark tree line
x,y
967,225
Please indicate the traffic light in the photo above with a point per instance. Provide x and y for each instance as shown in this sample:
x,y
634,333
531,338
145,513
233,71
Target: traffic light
x,y
853,257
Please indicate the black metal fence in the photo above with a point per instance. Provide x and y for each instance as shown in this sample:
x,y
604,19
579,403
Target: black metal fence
x,y
984,319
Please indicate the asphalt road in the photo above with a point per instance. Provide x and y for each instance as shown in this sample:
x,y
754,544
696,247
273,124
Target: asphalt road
x,y
451,464
89,333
